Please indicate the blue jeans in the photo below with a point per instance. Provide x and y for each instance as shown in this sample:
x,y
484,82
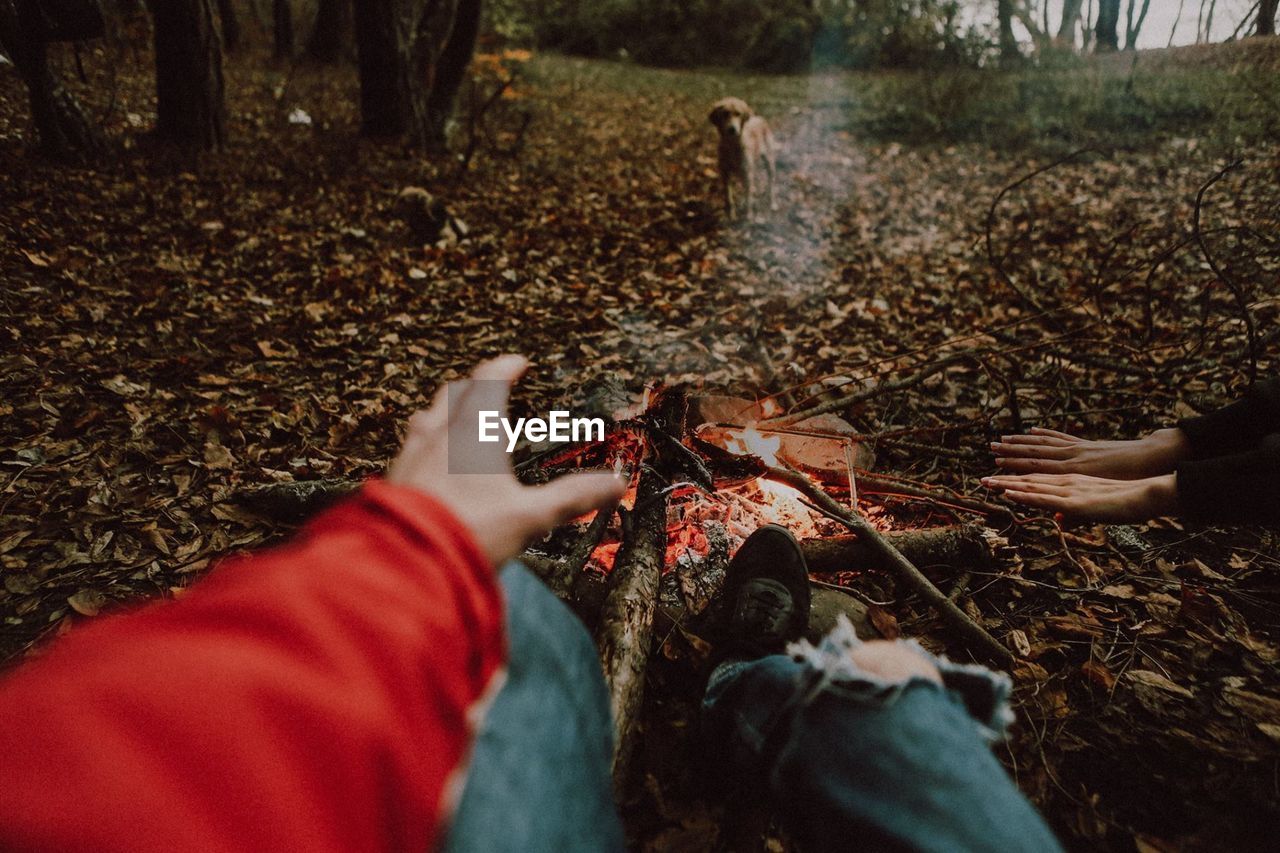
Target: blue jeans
x,y
849,761
540,775
853,762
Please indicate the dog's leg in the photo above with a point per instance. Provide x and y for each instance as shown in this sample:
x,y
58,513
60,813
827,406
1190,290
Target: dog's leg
x,y
729,207
751,179
771,162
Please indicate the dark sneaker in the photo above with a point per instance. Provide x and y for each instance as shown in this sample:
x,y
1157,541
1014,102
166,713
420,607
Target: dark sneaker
x,y
766,594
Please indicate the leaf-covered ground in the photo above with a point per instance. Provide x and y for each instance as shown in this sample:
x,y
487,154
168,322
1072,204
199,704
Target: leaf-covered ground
x,y
178,329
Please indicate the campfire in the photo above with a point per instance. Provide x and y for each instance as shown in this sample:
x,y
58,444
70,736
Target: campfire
x,y
705,472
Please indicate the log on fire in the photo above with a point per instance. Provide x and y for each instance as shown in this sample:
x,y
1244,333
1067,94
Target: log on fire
x,y
626,620
961,546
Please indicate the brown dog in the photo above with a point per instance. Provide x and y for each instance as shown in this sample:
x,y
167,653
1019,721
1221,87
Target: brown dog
x,y
745,141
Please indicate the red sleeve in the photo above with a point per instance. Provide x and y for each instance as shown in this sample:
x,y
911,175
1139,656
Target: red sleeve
x,y
319,696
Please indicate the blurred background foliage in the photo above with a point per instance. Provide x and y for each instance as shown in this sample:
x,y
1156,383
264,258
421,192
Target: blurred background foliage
x,y
754,35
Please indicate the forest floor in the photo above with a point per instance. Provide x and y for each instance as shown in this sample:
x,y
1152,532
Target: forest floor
x,y
177,329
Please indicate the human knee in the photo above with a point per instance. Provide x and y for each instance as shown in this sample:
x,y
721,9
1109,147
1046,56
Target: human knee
x,y
894,662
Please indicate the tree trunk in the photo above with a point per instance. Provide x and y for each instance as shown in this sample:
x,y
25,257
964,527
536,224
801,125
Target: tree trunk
x,y
450,71
1008,44
1107,29
1176,20
282,28
328,40
1067,27
1132,28
1208,21
399,43
1266,18
189,96
230,25
65,132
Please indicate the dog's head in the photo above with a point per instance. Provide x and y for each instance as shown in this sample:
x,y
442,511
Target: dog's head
x,y
729,115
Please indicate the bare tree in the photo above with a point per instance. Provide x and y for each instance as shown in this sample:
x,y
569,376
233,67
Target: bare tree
x,y
190,109
1177,20
328,40
282,28
1108,22
1067,26
1008,44
1132,27
1266,18
65,132
399,44
451,69
1204,23
230,24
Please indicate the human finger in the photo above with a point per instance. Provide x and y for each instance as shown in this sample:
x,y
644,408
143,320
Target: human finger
x,y
1039,488
1035,441
488,388
435,417
1029,464
1053,433
1054,503
1043,451
568,497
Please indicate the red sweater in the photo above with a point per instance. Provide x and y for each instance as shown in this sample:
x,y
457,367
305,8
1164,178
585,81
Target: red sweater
x,y
319,696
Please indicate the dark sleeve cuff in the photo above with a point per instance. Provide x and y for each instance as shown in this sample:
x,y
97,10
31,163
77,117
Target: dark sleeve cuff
x,y
1237,427
1237,489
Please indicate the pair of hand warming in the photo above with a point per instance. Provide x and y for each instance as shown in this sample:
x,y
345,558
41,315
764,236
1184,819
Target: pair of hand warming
x,y
1098,480
502,514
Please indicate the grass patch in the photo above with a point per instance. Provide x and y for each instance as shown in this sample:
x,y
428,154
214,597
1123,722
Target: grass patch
x,y
1124,100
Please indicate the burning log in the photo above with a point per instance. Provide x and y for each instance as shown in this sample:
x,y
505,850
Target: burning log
x,y
964,547
626,626
625,635
977,637
561,574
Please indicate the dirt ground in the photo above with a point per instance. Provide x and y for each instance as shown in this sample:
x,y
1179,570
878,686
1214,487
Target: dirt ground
x,y
176,330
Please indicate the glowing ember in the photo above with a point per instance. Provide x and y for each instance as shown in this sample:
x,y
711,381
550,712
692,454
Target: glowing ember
x,y
730,514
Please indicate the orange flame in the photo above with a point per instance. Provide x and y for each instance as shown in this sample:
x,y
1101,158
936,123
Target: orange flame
x,y
751,440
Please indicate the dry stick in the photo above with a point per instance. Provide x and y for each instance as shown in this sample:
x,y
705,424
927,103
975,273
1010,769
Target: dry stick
x,y
921,350
961,546
560,574
981,643
1242,301
1148,310
575,577
872,485
865,394
626,619
997,265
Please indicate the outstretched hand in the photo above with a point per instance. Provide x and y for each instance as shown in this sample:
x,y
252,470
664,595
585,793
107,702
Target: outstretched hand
x,y
502,514
1047,451
1081,497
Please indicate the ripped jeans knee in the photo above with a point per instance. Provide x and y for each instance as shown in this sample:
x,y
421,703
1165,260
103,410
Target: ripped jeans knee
x,y
902,761
787,682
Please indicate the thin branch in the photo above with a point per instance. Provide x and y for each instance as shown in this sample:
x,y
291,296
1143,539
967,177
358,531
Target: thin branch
x,y
998,265
981,642
1242,302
